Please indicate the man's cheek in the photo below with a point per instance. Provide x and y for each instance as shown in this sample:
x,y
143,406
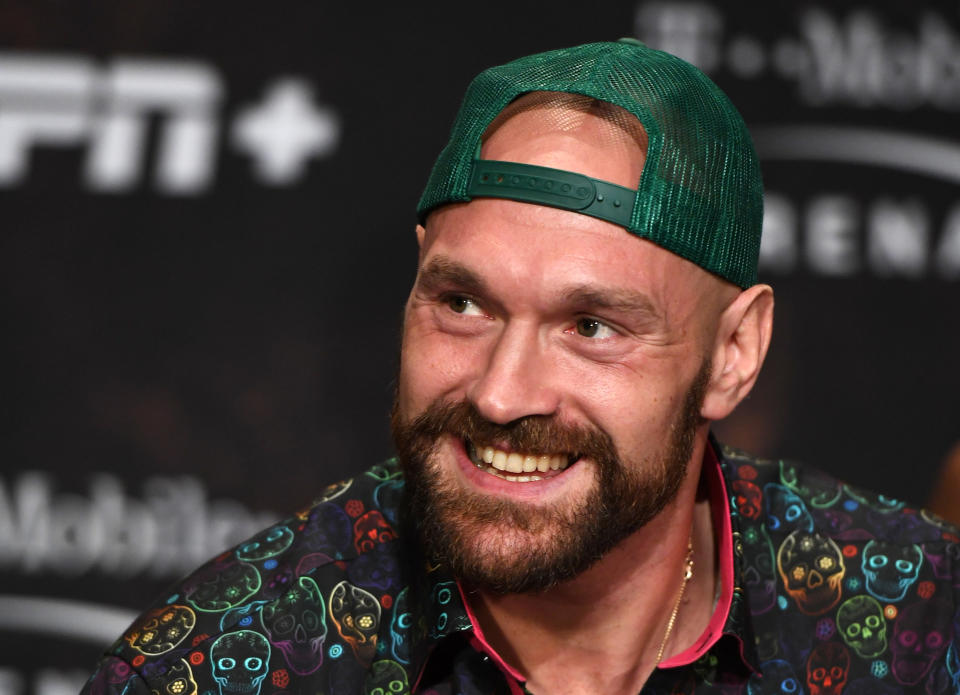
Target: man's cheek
x,y
439,367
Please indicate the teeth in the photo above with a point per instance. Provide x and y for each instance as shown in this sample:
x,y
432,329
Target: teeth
x,y
513,463
519,478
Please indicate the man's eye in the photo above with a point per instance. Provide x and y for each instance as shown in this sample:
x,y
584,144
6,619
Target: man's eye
x,y
592,328
462,305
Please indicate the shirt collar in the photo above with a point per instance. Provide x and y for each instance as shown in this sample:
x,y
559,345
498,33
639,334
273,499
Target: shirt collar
x,y
737,627
443,611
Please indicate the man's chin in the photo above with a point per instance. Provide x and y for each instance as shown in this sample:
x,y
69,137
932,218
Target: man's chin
x,y
501,545
512,561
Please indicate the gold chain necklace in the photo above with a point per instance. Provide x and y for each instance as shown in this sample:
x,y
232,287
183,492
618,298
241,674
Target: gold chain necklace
x,y
687,575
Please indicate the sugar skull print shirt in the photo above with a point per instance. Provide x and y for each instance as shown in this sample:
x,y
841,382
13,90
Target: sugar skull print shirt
x,y
826,589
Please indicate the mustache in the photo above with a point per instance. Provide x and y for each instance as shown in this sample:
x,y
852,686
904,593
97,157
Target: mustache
x,y
543,434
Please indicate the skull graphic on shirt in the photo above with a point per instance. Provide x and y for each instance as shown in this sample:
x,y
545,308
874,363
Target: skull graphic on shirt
x,y
828,668
918,640
862,626
296,624
239,662
161,629
811,567
890,569
356,614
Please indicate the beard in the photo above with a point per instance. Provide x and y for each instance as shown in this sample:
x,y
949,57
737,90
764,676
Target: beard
x,y
503,546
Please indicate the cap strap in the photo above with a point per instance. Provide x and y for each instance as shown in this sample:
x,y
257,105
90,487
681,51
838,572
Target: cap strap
x,y
554,187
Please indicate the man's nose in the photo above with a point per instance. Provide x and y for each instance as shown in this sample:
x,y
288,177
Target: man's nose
x,y
517,378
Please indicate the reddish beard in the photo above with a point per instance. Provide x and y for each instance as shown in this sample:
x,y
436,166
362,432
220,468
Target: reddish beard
x,y
506,547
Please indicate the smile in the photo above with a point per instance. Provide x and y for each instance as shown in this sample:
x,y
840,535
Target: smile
x,y
508,464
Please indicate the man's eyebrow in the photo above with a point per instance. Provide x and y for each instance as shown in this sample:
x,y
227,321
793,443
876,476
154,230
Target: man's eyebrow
x,y
442,271
612,299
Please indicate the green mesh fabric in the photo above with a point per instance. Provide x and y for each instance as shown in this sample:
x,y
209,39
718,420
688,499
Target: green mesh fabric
x,y
700,194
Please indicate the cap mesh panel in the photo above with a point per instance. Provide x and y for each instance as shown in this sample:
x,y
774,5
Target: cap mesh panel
x,y
700,191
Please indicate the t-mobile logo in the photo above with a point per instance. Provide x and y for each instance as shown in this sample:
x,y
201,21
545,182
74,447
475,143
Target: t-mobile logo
x,y
690,30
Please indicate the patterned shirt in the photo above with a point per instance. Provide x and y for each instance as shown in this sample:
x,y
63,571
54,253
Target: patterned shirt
x,y
826,589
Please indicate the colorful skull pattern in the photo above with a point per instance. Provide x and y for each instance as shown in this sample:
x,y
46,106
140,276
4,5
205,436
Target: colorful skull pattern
x,y
161,629
748,499
890,569
377,570
819,489
759,576
386,678
333,491
296,624
778,678
176,681
918,640
862,626
328,530
223,587
239,662
844,593
401,628
356,613
371,529
271,542
785,510
827,669
874,500
811,567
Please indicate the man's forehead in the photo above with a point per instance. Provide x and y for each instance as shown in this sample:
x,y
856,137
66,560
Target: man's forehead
x,y
500,247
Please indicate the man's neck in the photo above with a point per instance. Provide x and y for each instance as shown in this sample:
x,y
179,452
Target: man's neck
x,y
601,631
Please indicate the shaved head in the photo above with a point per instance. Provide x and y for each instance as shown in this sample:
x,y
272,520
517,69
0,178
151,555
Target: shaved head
x,y
529,129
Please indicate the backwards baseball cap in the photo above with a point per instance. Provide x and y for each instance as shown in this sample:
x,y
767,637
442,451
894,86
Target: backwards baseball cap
x,y
700,194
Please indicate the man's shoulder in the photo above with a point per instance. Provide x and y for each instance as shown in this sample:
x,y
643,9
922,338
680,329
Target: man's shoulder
x,y
835,576
331,569
789,495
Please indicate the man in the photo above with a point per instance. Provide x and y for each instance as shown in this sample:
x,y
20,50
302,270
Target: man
x,y
559,520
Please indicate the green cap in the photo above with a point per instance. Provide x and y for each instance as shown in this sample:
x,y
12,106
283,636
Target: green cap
x,y
700,194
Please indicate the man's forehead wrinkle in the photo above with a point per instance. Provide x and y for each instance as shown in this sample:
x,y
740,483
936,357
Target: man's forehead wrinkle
x,y
442,269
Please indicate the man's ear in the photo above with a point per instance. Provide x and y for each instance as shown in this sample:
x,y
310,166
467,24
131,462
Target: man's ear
x,y
421,233
743,336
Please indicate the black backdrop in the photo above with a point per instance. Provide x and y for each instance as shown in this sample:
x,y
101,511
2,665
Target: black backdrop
x,y
207,217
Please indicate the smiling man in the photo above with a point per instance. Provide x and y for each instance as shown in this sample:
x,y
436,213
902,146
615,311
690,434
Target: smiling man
x,y
558,518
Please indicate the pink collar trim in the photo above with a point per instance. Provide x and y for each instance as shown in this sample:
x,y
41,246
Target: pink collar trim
x,y
479,642
720,509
